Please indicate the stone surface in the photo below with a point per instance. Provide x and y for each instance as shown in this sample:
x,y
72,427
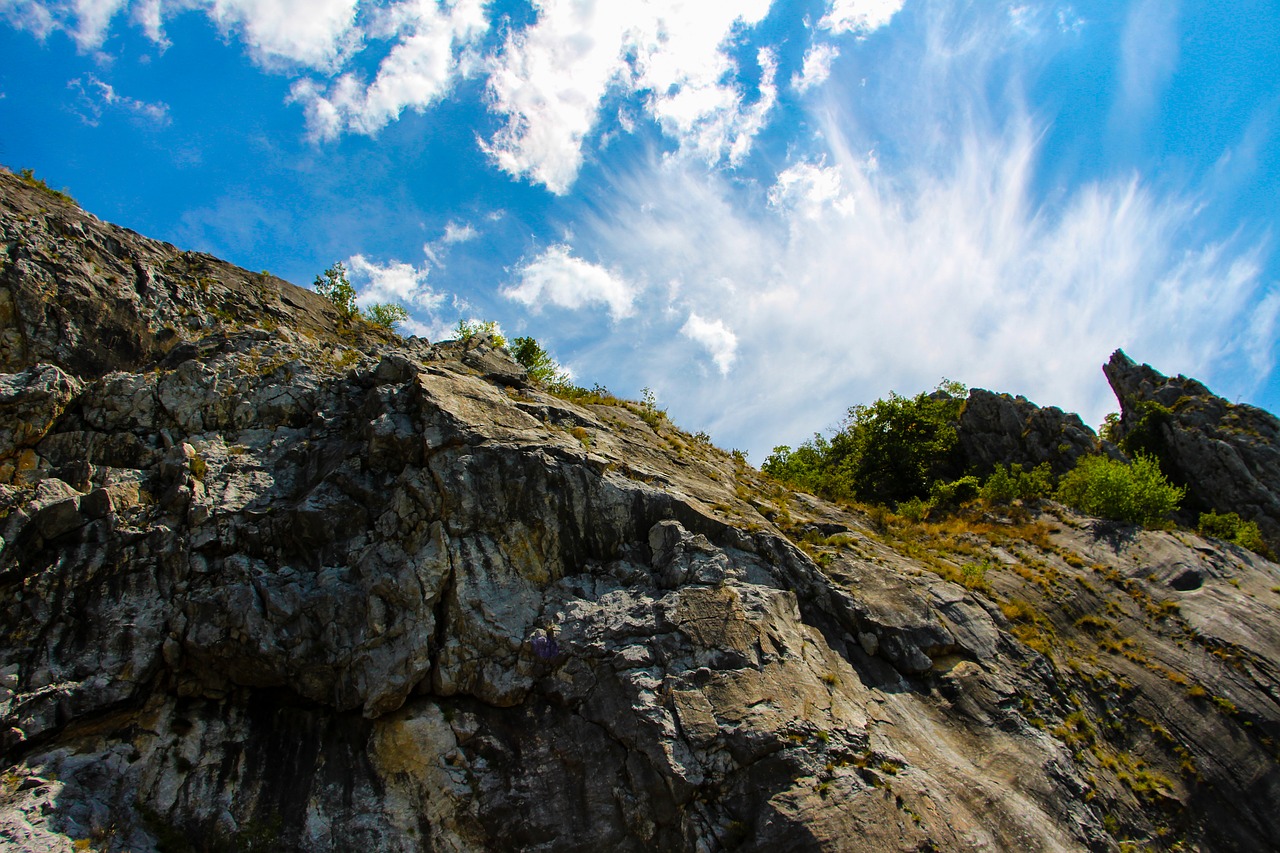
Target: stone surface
x,y
998,428
272,583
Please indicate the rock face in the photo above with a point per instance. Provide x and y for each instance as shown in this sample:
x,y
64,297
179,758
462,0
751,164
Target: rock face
x,y
272,583
1227,455
997,428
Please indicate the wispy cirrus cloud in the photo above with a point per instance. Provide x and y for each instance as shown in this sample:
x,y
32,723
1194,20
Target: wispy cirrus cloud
x,y
94,98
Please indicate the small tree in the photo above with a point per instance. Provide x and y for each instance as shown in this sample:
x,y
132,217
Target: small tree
x,y
334,286
542,368
466,330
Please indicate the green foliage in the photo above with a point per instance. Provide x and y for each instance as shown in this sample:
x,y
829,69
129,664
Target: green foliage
x,y
888,452
1145,434
334,286
649,411
1006,485
388,315
542,368
1110,429
1232,528
952,493
1137,492
805,468
469,330
28,177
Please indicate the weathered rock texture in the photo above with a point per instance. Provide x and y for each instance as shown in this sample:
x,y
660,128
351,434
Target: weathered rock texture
x,y
1226,454
269,583
1001,429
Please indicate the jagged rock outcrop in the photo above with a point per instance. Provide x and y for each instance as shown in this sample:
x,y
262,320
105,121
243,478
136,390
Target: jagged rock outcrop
x,y
1226,454
268,582
1002,429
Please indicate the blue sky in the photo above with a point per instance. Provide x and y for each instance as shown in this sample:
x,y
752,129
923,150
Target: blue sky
x,y
764,211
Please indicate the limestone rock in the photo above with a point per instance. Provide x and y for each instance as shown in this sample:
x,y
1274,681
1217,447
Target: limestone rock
x,y
998,428
278,583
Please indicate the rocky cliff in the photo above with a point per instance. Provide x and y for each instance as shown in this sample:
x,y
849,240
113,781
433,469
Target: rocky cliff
x,y
1227,455
272,582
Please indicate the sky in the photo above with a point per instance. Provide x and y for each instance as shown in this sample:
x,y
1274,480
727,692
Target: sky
x,y
766,211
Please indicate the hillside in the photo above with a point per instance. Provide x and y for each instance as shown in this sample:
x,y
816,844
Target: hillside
x,y
269,581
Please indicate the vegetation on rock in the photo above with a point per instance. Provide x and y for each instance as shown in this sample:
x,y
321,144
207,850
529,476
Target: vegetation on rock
x,y
891,451
1229,526
333,285
1137,492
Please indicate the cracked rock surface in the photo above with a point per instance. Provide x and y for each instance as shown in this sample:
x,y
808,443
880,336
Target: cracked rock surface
x,y
269,582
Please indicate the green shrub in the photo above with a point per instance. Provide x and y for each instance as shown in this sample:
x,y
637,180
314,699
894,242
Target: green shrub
x,y
1006,485
28,177
467,330
334,286
954,492
913,509
386,314
1136,492
1232,528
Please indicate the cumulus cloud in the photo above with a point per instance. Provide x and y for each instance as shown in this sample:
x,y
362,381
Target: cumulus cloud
x,y
810,191
551,78
94,97
859,16
419,70
458,233
547,81
392,282
557,278
718,340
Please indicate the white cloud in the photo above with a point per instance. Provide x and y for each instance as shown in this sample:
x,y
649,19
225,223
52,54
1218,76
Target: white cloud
x,y
419,70
716,337
392,282
308,33
455,233
28,15
557,278
859,282
810,191
93,18
551,79
1149,52
95,97
301,33
816,68
859,16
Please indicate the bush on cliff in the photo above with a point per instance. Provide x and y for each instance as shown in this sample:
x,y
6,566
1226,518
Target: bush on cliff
x,y
1231,527
1136,492
333,285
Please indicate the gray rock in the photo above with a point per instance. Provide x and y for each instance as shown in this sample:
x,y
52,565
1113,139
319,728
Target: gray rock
x,y
1227,455
272,580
